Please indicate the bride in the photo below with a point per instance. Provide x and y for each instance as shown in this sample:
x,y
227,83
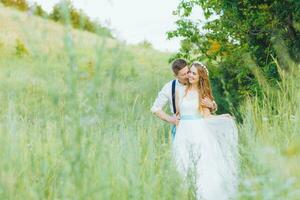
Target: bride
x,y
205,145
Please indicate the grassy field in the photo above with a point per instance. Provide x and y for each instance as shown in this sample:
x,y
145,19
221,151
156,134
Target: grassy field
x,y
75,121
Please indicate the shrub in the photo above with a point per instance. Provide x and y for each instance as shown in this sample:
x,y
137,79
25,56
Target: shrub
x,y
78,19
21,49
19,4
38,10
55,15
63,12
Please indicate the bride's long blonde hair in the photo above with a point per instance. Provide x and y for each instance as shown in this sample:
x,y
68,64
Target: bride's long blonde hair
x,y
204,88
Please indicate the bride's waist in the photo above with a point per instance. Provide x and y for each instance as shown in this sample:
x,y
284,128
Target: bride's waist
x,y
191,116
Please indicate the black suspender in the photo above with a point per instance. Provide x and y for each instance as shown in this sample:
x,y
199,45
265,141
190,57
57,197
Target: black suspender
x,y
173,96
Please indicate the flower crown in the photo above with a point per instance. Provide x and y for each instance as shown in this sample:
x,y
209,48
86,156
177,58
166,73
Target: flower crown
x,y
202,65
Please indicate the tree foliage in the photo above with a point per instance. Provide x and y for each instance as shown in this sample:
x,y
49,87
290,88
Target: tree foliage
x,y
65,12
38,10
237,37
19,4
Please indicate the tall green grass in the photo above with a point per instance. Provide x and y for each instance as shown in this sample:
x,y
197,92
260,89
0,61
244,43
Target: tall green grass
x,y
270,140
75,121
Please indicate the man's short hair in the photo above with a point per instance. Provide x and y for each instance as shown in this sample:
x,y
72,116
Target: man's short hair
x,y
178,65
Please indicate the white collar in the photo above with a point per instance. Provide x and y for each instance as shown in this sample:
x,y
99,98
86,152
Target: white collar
x,y
178,83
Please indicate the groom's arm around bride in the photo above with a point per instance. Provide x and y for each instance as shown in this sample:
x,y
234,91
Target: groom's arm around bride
x,y
166,96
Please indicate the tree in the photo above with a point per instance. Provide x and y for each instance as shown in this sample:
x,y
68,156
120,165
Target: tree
x,y
38,10
65,12
236,31
19,4
61,11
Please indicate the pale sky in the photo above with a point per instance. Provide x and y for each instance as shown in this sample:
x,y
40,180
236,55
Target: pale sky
x,y
132,20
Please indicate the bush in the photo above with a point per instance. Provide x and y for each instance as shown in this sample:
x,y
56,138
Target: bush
x,y
77,18
19,4
55,15
63,12
21,49
38,10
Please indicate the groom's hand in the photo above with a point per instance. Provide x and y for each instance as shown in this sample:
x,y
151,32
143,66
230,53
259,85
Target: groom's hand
x,y
173,120
164,116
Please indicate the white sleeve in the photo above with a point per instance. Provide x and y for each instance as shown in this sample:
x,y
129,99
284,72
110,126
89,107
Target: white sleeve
x,y
162,99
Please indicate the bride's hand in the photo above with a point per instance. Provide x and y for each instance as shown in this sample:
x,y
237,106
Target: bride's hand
x,y
227,116
206,102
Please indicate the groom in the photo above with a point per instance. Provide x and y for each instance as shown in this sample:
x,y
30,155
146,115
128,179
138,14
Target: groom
x,y
167,95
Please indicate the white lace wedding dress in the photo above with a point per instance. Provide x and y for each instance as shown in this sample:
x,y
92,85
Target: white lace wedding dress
x,y
206,148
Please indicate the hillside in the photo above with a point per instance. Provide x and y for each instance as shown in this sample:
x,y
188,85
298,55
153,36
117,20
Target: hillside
x,y
66,96
54,51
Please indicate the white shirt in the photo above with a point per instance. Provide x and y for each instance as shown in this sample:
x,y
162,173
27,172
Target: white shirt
x,y
165,96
